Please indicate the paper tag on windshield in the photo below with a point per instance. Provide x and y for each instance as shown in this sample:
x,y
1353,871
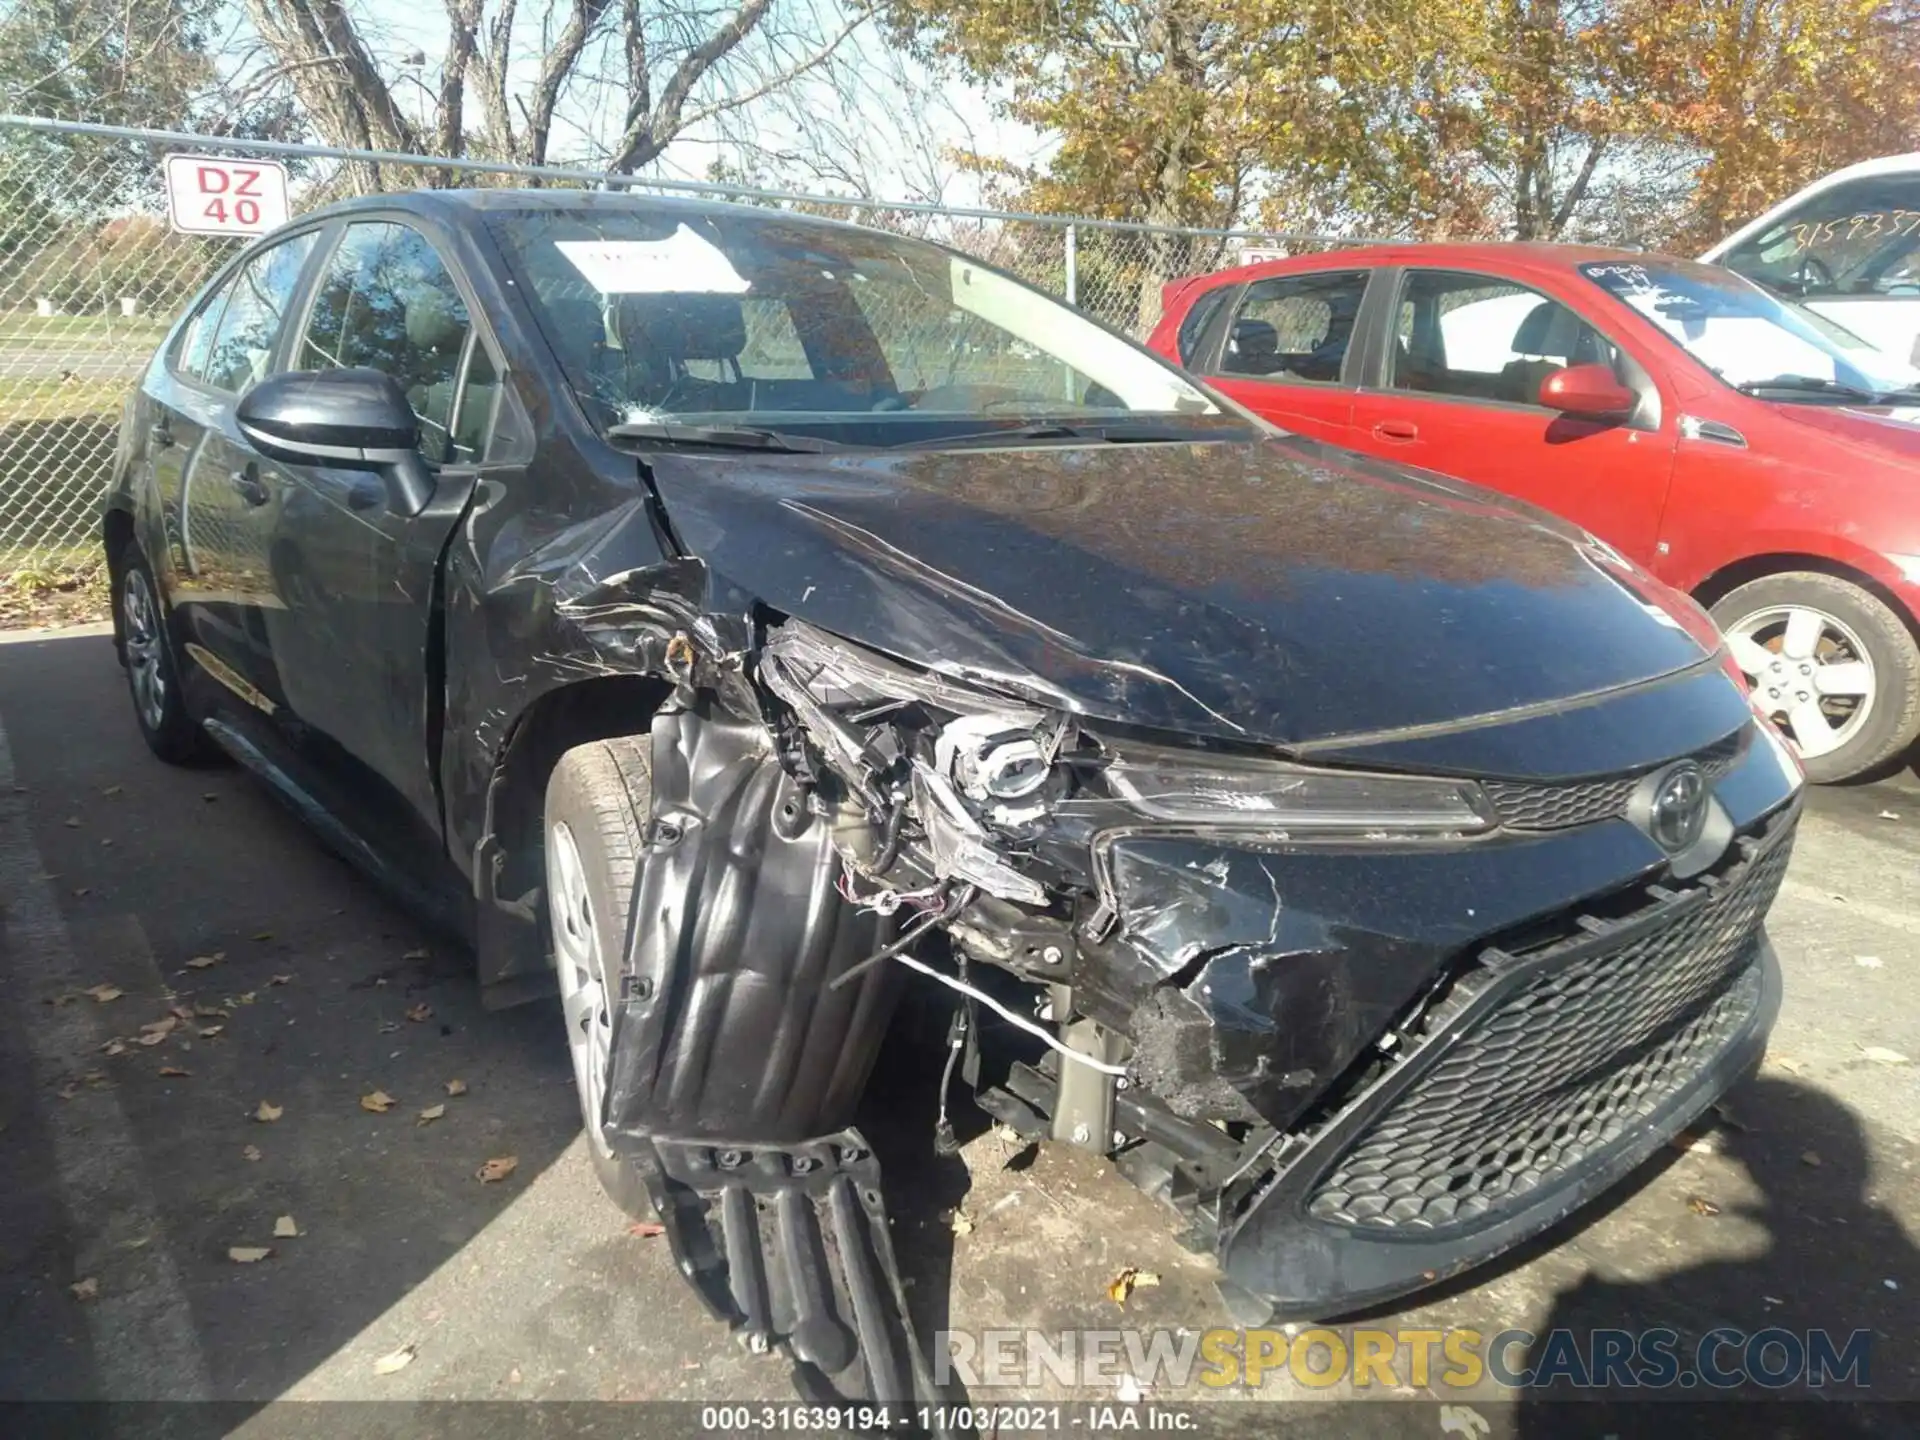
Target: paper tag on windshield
x,y
682,264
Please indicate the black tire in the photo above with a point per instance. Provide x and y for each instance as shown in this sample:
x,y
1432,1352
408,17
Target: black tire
x,y
147,654
603,794
1892,719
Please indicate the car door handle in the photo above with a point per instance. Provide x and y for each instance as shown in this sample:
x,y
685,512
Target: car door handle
x,y
1397,430
247,482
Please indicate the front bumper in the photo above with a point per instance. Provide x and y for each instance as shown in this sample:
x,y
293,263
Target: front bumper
x,y
1537,1081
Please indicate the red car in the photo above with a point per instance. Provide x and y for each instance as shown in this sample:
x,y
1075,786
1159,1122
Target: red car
x,y
1741,448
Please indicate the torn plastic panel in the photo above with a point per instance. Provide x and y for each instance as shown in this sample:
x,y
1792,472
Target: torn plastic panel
x,y
1256,941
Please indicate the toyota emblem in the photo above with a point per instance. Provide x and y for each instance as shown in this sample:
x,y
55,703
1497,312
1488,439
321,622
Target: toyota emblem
x,y
1678,813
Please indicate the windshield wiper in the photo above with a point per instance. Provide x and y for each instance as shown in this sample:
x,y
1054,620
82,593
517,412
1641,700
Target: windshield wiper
x,y
1114,432
1807,385
724,437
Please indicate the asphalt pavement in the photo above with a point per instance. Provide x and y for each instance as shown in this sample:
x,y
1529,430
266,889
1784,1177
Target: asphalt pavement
x,y
206,1016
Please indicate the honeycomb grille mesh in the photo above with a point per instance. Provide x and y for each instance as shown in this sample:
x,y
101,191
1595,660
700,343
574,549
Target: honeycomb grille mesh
x,y
1524,805
1562,1068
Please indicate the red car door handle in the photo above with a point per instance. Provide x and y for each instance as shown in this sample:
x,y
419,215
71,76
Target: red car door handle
x,y
1397,430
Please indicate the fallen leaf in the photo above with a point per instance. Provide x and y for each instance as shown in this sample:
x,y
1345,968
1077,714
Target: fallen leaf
x,y
175,1072
285,1229
247,998
114,1047
113,790
416,955
80,890
103,993
1124,1284
420,1013
251,1152
1788,1064
1700,1205
498,1168
106,842
961,1223
67,1092
247,1254
398,1360
1883,1056
456,1087
180,1012
152,1038
73,822
163,1026
388,1027
207,1032
431,1114
211,1012
646,1229
281,980
202,962
59,999
268,1113
96,1078
86,1289
1810,1157
263,935
379,1102
1889,815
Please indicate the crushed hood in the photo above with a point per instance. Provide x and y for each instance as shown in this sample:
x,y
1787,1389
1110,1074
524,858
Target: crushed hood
x,y
1281,592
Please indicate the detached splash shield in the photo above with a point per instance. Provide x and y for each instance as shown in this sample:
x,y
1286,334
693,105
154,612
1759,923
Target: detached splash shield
x,y
736,1066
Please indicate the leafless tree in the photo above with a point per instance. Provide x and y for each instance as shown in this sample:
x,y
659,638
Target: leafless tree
x,y
628,77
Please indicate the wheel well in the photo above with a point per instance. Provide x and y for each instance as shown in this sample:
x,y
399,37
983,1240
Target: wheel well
x,y
1723,582
116,531
514,852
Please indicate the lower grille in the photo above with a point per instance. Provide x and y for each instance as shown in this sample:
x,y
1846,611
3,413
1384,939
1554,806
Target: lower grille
x,y
1579,1048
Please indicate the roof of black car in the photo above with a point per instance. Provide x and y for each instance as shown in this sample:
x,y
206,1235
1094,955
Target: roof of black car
x,y
499,198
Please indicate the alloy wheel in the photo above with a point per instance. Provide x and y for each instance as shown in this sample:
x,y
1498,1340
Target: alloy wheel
x,y
1809,671
145,645
581,965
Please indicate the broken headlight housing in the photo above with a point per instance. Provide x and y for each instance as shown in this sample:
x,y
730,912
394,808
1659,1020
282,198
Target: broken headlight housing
x,y
1197,788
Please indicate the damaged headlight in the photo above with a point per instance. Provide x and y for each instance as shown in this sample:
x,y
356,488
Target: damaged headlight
x,y
1195,788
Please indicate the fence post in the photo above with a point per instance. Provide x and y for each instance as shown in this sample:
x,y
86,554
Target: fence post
x,y
1073,265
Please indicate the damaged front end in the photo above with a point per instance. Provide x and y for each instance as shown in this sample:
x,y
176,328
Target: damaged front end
x,y
1358,1029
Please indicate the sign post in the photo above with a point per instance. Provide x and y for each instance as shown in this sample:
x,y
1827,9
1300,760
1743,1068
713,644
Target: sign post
x,y
219,195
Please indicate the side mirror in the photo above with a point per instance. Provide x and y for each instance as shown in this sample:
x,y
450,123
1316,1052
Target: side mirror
x,y
350,419
1589,391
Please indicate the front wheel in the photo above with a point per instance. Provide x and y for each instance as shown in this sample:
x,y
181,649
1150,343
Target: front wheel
x,y
599,798
1833,664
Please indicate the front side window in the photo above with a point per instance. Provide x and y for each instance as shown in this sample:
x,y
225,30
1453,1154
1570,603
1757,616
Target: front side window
x,y
240,346
1295,327
1860,238
1477,338
388,302
1747,337
784,324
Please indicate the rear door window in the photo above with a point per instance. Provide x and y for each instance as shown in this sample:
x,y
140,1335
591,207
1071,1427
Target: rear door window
x,y
387,301
1295,327
240,346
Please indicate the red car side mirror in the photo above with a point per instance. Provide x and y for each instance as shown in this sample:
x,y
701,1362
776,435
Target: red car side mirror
x,y
1587,390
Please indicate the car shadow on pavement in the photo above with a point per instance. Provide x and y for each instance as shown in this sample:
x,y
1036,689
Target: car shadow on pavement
x,y
210,1023
1834,1261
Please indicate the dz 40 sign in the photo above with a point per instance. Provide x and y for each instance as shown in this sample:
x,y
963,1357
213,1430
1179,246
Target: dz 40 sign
x,y
218,195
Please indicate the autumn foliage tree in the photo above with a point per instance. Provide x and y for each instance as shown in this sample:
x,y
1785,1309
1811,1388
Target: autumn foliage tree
x,y
1655,121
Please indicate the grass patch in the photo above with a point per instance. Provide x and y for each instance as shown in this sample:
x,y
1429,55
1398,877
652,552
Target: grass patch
x,y
26,330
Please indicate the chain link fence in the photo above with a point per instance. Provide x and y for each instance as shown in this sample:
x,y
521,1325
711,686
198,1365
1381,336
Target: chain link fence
x,y
91,276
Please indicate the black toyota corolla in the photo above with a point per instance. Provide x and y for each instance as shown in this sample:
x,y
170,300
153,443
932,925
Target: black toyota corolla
x,y
734,618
